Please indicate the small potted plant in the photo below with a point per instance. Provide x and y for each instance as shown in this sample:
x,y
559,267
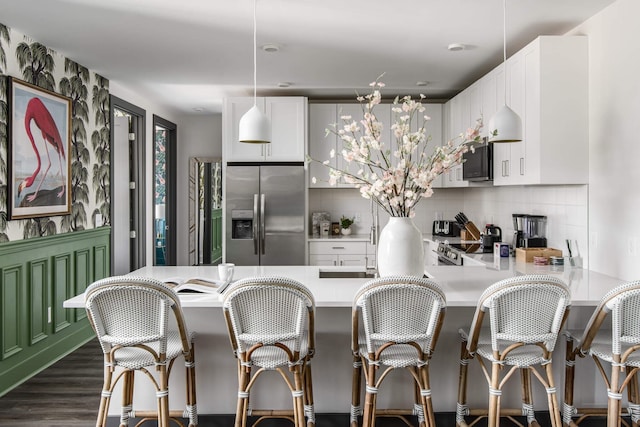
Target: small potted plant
x,y
345,225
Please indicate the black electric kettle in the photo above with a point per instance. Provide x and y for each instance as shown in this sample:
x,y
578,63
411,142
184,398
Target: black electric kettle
x,y
492,234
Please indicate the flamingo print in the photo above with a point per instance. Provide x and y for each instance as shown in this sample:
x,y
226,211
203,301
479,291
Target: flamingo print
x,y
37,112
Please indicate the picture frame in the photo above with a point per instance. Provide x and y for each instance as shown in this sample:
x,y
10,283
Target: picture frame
x,y
39,154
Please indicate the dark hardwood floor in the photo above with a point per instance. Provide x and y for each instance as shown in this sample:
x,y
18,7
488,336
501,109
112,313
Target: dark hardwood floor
x,y
67,394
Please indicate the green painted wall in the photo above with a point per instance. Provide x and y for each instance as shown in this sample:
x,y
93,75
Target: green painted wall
x,y
36,277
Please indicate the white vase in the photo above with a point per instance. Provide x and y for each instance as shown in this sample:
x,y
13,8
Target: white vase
x,y
400,249
345,231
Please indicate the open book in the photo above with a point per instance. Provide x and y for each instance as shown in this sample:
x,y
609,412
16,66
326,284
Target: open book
x,y
196,284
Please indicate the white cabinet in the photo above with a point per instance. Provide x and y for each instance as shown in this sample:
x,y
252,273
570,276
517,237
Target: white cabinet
x,y
341,253
556,116
321,116
288,118
458,115
547,85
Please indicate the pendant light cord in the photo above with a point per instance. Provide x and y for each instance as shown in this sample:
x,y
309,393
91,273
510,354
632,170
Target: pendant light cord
x,y
255,48
504,46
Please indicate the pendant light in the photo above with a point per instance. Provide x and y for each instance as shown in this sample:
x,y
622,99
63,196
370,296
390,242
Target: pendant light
x,y
505,125
254,127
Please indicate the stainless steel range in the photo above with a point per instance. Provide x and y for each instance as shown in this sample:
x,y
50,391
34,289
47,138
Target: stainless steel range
x,y
451,253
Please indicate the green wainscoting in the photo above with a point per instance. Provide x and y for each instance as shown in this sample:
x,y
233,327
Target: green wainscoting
x,y
216,236
36,277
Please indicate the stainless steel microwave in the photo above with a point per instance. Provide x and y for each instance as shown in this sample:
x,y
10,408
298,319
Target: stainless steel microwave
x,y
478,166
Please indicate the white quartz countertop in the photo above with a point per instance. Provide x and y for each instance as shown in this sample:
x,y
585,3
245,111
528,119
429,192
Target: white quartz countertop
x,y
462,285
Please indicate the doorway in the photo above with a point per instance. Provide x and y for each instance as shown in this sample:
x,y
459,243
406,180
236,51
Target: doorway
x,y
128,183
164,189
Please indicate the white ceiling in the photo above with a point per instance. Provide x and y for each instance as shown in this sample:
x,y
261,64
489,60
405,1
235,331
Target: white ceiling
x,y
189,54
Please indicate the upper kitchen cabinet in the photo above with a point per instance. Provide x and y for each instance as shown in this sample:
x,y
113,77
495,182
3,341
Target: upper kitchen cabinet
x,y
288,118
433,130
555,111
321,118
458,113
547,86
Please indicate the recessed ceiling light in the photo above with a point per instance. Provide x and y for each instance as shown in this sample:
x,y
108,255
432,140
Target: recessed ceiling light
x,y
271,48
422,83
455,47
198,109
284,84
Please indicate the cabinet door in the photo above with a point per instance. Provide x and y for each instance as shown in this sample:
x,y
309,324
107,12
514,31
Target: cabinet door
x,y
234,109
459,115
516,96
433,130
288,116
323,259
355,111
321,117
353,260
493,97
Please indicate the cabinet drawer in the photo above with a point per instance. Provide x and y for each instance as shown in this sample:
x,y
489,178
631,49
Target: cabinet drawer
x,y
337,247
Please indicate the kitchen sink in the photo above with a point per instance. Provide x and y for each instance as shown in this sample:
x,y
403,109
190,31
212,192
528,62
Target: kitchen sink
x,y
339,274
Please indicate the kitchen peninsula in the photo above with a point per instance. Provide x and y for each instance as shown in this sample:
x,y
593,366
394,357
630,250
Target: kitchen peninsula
x,y
332,365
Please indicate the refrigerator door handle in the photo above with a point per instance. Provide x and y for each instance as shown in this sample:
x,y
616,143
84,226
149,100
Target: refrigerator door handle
x,y
254,228
262,221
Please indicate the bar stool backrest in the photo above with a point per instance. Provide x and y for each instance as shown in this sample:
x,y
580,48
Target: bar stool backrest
x,y
127,310
401,309
268,310
623,303
528,309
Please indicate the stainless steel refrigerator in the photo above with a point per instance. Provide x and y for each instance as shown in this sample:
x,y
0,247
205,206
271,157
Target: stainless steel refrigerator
x,y
265,206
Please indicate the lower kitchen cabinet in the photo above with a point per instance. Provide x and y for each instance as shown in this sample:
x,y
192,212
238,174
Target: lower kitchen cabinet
x,y
335,252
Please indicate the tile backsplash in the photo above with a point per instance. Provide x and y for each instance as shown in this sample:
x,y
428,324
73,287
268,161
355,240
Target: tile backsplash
x,y
565,206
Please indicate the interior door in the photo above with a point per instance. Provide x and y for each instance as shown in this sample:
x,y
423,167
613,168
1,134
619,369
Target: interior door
x,y
121,207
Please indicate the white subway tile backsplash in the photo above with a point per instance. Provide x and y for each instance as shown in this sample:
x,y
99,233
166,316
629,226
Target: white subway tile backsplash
x,y
564,205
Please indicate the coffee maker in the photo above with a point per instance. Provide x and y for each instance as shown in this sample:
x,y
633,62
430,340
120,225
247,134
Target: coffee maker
x,y
530,231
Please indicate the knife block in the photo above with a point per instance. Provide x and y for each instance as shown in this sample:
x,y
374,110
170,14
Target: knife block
x,y
472,231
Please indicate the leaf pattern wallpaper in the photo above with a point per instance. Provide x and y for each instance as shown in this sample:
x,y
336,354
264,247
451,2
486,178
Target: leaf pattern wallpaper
x,y
30,61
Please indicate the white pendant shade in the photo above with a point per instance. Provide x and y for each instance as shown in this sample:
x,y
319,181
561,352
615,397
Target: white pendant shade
x,y
505,126
254,127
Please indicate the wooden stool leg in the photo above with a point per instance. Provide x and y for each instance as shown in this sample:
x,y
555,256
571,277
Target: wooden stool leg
x,y
105,398
425,394
527,396
461,407
244,374
127,397
614,398
494,396
568,410
554,412
309,410
369,400
633,397
163,398
190,365
298,394
356,381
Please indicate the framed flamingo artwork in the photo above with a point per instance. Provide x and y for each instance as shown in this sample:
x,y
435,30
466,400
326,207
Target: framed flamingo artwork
x,y
39,157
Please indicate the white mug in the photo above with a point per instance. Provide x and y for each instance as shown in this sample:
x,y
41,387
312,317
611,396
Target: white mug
x,y
225,271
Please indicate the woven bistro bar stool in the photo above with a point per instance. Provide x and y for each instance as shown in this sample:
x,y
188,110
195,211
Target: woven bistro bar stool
x,y
141,328
526,314
395,324
616,347
271,328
